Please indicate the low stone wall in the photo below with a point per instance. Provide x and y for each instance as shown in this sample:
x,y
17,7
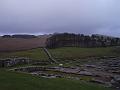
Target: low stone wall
x,y
9,62
30,69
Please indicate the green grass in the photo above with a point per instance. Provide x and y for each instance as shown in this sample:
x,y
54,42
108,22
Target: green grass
x,y
75,52
38,54
17,81
64,53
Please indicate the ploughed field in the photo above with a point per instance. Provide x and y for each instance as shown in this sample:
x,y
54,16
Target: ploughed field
x,y
15,44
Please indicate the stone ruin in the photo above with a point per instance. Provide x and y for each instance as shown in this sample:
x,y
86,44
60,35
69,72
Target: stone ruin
x,y
105,71
101,70
9,62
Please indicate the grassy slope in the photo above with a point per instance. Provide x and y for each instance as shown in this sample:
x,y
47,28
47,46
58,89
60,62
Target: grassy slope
x,y
74,52
65,52
17,81
34,54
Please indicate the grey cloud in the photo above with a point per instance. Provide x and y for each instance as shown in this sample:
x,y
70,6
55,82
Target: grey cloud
x,y
48,16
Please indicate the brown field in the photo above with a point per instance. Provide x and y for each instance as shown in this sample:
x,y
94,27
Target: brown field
x,y
15,44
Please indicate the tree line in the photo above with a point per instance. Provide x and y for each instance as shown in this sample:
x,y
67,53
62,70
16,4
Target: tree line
x,y
81,40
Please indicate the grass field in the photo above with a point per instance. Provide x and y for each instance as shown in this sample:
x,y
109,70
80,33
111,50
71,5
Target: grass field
x,y
63,53
37,54
74,52
16,81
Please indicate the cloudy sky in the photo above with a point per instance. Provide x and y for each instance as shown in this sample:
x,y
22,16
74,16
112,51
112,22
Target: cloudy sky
x,y
49,16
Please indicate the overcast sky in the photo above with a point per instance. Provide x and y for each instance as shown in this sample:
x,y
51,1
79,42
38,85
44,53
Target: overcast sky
x,y
49,16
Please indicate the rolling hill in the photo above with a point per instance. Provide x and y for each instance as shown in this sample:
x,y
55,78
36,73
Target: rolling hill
x,y
15,44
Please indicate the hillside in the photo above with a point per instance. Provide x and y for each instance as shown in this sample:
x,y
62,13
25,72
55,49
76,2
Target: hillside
x,y
77,53
17,81
14,44
65,53
37,54
74,74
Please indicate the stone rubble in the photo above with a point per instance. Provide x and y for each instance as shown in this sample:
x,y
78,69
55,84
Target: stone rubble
x,y
9,62
104,70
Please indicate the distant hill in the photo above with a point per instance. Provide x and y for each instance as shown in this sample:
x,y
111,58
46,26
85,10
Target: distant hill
x,y
14,44
25,36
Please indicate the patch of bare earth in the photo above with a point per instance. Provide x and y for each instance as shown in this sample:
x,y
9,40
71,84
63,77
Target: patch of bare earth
x,y
14,44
